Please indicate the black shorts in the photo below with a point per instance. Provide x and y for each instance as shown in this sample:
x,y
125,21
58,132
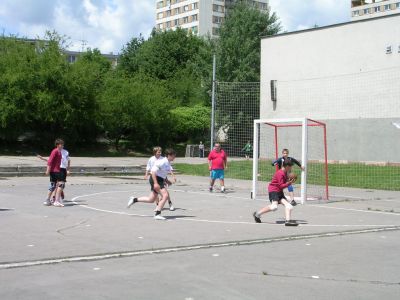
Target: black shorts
x,y
160,181
276,196
55,176
63,174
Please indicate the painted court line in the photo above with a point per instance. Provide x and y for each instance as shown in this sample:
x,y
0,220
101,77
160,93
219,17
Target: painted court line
x,y
95,257
357,210
219,221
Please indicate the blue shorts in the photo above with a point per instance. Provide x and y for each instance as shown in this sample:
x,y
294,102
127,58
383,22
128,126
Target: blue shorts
x,y
217,174
290,188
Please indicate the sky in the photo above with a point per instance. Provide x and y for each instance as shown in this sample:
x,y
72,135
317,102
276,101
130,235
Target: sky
x,y
109,24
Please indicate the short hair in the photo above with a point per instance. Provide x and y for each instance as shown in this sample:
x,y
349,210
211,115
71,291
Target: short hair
x,y
287,150
58,142
287,162
170,151
156,149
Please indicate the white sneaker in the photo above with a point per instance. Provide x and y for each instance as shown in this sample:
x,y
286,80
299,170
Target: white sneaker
x,y
171,208
131,201
47,203
58,204
222,189
159,217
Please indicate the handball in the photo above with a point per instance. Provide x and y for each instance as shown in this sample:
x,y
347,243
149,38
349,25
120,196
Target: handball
x,y
292,176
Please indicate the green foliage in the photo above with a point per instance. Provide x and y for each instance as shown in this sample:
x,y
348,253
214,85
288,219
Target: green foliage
x,y
239,43
191,123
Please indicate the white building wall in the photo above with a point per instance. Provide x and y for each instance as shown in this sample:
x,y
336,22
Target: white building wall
x,y
343,75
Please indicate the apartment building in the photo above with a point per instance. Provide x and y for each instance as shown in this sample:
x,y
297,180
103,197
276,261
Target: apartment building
x,y
364,9
200,17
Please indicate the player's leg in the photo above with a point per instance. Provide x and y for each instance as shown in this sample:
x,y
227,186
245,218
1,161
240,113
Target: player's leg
x,y
52,188
272,207
288,213
60,187
220,174
212,180
160,206
291,195
145,199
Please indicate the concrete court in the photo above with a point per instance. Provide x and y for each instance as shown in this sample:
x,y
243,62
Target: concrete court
x,y
208,248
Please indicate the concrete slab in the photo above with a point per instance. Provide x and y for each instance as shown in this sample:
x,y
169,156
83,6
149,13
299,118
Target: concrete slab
x,y
208,248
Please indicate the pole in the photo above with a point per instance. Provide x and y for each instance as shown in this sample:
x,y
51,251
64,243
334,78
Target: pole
x,y
213,104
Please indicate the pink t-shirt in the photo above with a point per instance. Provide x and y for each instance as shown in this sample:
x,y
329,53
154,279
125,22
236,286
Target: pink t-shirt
x,y
278,182
218,159
54,161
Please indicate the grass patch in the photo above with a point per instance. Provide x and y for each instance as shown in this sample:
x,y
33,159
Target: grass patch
x,y
342,175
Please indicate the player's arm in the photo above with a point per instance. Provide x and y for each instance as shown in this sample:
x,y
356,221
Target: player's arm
x,y
69,166
41,157
154,170
297,163
275,162
225,162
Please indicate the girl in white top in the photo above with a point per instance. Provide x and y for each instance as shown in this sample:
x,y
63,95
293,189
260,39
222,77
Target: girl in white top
x,y
150,163
158,182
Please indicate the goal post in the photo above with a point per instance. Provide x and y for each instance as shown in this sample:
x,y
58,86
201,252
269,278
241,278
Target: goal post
x,y
306,140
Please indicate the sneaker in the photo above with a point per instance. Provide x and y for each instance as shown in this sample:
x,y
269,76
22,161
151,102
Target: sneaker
x,y
211,189
159,217
291,223
47,202
131,201
222,189
171,207
257,219
294,203
58,204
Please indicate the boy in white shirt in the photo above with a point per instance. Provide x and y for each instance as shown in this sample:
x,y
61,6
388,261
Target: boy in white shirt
x,y
158,183
150,163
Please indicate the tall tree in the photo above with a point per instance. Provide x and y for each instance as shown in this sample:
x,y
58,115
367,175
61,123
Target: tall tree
x,y
239,47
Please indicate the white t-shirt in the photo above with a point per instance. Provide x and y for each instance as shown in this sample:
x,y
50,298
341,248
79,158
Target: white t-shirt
x,y
162,167
64,158
151,162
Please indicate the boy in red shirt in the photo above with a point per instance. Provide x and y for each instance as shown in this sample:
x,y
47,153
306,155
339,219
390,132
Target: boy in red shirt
x,y
275,189
56,178
217,163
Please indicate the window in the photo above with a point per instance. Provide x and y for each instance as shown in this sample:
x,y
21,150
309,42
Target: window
x,y
176,22
377,9
168,24
195,6
194,29
215,31
177,10
366,11
218,8
160,15
194,18
186,8
356,13
160,4
168,13
387,7
217,20
398,5
186,20
71,59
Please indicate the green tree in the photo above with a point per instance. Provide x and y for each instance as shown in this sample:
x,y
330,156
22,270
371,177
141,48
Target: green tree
x,y
18,63
191,123
137,108
239,45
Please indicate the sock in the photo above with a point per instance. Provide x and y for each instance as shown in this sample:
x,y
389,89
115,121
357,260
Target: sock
x,y
170,203
158,212
257,214
135,200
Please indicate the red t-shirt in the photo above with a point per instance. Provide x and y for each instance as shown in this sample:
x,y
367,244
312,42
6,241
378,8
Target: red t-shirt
x,y
278,182
217,159
54,161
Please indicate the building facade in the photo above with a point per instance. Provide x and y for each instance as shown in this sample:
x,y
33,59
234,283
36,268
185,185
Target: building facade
x,y
364,9
346,75
200,17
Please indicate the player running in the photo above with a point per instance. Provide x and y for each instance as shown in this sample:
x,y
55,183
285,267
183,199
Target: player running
x,y
150,163
275,189
279,161
157,181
